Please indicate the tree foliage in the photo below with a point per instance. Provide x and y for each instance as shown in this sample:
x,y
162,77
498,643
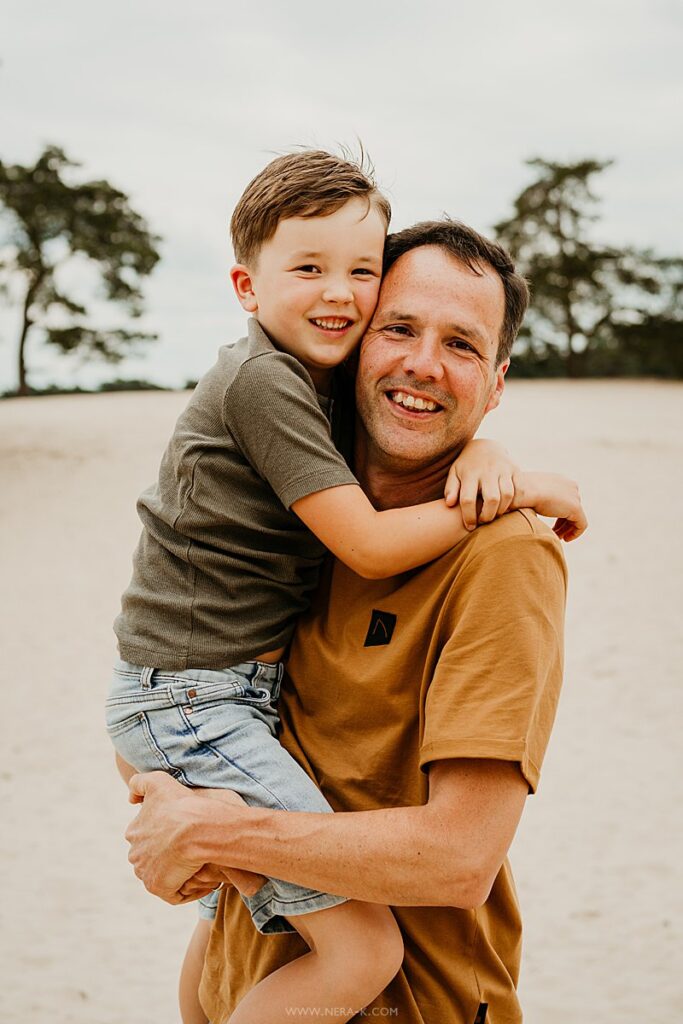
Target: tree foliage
x,y
595,310
47,221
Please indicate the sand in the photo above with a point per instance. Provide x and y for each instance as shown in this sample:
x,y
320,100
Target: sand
x,y
598,848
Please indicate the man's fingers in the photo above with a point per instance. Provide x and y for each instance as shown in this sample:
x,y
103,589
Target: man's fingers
x,y
139,784
245,882
194,890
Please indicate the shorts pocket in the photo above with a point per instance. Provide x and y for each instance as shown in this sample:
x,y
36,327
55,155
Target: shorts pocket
x,y
134,741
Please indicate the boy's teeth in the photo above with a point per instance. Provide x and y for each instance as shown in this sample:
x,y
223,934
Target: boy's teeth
x,y
410,402
334,324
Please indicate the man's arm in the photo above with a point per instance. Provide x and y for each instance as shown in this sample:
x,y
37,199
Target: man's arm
x,y
446,852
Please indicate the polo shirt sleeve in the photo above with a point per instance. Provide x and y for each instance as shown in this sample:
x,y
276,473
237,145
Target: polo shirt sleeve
x,y
273,414
495,689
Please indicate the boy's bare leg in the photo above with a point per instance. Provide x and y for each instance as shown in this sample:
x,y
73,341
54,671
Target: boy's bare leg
x,y
191,974
356,950
126,771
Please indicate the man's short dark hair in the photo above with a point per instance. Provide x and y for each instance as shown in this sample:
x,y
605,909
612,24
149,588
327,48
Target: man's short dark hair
x,y
472,249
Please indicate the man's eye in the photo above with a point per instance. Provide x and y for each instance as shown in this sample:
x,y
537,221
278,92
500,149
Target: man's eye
x,y
463,346
399,329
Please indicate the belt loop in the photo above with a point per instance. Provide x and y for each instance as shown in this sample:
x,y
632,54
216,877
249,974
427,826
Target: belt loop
x,y
146,678
278,679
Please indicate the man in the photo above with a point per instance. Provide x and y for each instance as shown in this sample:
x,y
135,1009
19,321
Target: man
x,y
423,704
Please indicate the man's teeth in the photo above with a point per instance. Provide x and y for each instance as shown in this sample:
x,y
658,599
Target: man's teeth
x,y
332,323
410,402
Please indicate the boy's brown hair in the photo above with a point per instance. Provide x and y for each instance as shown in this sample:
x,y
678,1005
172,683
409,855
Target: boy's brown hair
x,y
310,183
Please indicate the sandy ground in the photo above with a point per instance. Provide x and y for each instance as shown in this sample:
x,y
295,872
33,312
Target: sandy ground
x,y
599,846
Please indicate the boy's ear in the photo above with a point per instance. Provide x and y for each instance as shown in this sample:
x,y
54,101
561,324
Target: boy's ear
x,y
240,276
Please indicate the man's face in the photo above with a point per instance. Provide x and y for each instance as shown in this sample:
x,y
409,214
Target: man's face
x,y
427,371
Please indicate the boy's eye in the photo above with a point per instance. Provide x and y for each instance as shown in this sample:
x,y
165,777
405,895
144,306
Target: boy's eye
x,y
308,268
364,272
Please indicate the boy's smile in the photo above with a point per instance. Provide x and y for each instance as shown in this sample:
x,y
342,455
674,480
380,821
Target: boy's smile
x,y
315,283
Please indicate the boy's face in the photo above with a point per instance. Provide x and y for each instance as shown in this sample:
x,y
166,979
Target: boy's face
x,y
315,283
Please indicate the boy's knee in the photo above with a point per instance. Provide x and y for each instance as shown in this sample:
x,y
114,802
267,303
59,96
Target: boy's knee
x,y
382,935
389,948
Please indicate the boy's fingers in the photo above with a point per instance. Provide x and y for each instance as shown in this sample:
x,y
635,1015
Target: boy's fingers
x,y
577,522
468,503
507,493
490,492
581,521
566,530
452,488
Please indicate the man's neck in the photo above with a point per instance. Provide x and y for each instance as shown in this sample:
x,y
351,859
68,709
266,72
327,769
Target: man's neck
x,y
392,483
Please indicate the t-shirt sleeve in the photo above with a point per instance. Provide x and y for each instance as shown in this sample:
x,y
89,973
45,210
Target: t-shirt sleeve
x,y
274,416
495,689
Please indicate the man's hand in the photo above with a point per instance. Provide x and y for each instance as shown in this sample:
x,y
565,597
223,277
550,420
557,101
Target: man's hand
x,y
550,494
246,882
482,468
156,835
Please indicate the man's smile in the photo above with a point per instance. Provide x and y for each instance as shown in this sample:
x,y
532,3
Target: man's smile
x,y
413,402
410,403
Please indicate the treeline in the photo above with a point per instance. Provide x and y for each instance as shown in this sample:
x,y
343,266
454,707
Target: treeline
x,y
596,310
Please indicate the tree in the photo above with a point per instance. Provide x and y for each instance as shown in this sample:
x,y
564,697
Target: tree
x,y
594,307
49,220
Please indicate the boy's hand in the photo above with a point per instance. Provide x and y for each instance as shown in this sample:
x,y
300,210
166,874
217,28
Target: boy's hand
x,y
550,494
482,468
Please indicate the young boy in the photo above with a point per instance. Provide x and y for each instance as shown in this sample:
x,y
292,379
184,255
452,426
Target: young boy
x,y
251,492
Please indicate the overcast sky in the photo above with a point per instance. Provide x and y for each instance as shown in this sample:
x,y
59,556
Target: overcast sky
x,y
179,105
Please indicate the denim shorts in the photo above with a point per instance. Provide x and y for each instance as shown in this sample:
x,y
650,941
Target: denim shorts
x,y
217,728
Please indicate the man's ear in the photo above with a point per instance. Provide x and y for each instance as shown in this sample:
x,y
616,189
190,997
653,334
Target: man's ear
x,y
498,387
240,275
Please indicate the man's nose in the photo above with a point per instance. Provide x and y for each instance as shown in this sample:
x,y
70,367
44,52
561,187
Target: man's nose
x,y
337,290
424,359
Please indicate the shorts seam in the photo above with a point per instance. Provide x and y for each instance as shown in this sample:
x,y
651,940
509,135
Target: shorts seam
x,y
168,767
203,745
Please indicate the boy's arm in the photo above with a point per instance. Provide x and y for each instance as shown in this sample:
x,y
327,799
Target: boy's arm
x,y
446,852
377,545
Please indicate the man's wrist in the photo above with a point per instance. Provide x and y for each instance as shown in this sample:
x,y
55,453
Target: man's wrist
x,y
217,833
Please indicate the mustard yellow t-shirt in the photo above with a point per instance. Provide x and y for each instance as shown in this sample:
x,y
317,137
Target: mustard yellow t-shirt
x,y
460,658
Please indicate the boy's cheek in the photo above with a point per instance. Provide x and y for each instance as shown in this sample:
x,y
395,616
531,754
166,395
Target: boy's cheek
x,y
369,309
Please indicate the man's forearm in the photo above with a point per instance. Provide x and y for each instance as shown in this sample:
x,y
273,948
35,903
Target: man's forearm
x,y
404,856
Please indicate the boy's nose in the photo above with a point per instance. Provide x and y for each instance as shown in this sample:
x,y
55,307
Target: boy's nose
x,y
337,291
